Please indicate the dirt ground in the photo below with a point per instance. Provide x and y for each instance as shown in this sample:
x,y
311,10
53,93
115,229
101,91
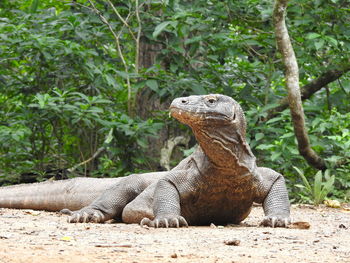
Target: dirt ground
x,y
36,236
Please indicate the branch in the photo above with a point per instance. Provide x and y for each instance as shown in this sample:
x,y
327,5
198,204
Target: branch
x,y
121,18
96,154
137,40
284,46
120,53
167,150
309,89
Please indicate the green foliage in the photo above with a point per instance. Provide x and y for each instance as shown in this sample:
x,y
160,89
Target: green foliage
x,y
275,145
61,95
335,145
318,191
273,140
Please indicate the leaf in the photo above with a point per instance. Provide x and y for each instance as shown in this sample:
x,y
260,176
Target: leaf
x,y
317,187
102,101
259,136
173,67
265,147
81,95
276,119
275,156
160,28
142,143
300,186
42,99
269,106
305,181
332,203
153,85
327,187
111,81
313,36
246,94
95,109
299,225
193,40
319,44
109,137
123,74
34,6
198,90
66,238
287,135
332,40
252,42
16,137
87,122
31,212
188,152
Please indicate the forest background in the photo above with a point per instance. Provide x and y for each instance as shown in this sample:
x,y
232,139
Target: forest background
x,y
85,86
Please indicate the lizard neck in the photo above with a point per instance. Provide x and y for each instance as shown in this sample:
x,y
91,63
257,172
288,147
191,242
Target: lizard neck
x,y
226,147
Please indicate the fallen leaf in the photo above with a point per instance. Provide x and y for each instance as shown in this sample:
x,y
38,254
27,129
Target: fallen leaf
x,y
31,212
332,203
299,225
66,238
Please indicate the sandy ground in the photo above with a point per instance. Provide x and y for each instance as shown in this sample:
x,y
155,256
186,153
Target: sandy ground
x,y
36,236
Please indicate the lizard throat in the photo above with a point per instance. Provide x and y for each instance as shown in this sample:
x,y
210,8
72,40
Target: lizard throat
x,y
228,151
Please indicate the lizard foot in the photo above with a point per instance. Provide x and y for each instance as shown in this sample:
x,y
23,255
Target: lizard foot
x,y
165,222
276,221
85,215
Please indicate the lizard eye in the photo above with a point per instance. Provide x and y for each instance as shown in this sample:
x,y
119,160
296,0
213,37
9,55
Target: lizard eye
x,y
211,100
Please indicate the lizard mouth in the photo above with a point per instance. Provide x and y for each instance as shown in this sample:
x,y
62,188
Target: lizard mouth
x,y
178,113
187,116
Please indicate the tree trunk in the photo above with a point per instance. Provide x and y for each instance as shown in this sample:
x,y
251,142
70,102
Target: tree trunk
x,y
284,46
147,103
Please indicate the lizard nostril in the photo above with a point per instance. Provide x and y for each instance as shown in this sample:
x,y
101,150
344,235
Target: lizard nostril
x,y
183,101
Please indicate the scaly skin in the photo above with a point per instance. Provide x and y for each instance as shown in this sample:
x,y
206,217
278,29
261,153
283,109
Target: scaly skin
x,y
55,195
218,183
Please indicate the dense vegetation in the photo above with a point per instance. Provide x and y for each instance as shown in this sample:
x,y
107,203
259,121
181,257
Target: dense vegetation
x,y
88,82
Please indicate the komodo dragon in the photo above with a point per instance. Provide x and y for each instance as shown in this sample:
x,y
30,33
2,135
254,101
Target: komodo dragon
x,y
218,183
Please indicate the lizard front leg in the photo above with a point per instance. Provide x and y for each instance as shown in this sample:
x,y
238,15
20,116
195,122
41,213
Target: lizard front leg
x,y
166,207
274,196
111,203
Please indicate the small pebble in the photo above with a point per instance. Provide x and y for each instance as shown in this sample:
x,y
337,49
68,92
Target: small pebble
x,y
232,242
342,226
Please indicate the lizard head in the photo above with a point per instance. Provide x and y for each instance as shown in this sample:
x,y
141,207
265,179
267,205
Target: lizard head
x,y
214,110
219,126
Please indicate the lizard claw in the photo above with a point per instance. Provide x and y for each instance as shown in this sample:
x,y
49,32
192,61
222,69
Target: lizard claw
x,y
86,215
165,222
276,221
66,211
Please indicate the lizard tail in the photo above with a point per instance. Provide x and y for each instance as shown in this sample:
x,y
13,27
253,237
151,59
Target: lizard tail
x,y
72,194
